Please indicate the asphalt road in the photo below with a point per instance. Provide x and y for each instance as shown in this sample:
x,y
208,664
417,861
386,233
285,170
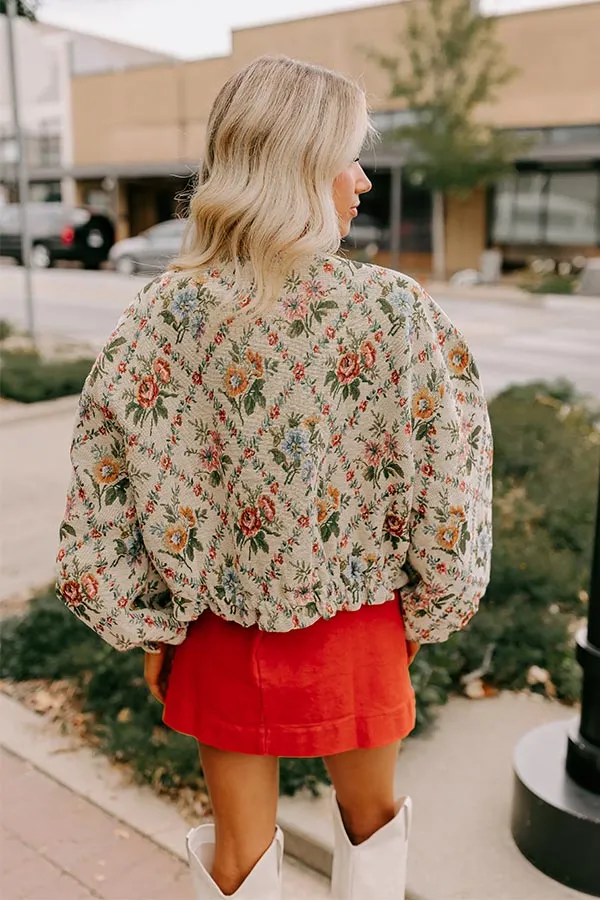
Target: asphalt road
x,y
512,341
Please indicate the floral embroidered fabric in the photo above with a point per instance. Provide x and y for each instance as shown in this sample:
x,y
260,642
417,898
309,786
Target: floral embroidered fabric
x,y
278,469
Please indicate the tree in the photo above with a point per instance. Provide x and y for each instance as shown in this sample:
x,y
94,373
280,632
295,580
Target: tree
x,y
451,64
25,8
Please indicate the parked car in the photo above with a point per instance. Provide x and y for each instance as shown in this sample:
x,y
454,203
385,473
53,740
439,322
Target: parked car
x,y
151,250
57,232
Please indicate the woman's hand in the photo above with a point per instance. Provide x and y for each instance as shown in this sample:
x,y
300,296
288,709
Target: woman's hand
x,y
157,668
413,648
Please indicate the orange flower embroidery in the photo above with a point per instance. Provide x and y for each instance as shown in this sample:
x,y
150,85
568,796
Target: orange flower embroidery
x,y
458,512
458,358
323,510
447,535
257,361
176,538
423,405
187,513
107,471
334,495
236,381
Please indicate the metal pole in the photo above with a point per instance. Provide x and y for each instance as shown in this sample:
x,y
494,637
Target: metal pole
x,y
395,216
583,753
11,9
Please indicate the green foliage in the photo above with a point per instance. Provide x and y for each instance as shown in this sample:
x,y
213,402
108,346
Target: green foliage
x,y
545,485
25,8
29,378
6,329
553,283
546,473
449,64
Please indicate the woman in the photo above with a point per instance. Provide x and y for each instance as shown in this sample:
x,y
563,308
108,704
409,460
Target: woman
x,y
282,487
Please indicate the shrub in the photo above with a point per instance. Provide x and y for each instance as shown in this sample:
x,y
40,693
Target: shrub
x,y
6,329
29,378
552,283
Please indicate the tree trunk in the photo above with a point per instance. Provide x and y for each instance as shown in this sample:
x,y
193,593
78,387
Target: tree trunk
x,y
439,236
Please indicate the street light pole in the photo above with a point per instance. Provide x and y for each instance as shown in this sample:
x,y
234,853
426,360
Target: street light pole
x,y
556,801
11,10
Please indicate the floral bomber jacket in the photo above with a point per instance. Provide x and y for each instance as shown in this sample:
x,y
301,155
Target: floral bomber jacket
x,y
281,468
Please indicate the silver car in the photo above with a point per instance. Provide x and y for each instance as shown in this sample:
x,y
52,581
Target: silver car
x,y
151,251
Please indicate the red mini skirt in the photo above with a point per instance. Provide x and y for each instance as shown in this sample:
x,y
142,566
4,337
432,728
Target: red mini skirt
x,y
338,685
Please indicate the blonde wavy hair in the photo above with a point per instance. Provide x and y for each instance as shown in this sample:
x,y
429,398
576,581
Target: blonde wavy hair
x,y
278,133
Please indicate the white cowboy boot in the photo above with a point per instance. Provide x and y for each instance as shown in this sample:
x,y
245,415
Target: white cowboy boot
x,y
375,869
263,883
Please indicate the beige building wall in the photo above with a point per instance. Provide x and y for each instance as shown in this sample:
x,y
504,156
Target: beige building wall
x,y
127,117
340,41
465,230
556,52
202,81
149,115
158,114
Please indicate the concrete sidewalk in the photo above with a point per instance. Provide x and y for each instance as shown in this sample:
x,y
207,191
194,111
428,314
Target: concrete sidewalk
x,y
460,778
34,446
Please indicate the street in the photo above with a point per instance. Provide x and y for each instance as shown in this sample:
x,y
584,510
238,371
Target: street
x,y
512,341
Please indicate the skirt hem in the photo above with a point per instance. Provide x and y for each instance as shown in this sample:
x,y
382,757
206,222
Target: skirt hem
x,y
325,739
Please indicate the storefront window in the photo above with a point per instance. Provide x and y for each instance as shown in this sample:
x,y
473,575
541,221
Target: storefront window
x,y
573,208
527,212
373,223
547,208
503,210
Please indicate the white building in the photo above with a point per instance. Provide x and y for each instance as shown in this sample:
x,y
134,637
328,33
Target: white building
x,y
47,58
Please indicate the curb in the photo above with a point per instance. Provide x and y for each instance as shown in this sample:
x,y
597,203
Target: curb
x,y
511,297
30,736
13,412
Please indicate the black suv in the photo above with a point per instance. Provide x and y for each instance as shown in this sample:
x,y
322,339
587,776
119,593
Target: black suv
x,y
57,232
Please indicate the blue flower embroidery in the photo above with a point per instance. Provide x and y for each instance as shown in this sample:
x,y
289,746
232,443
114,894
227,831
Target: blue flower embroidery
x,y
296,443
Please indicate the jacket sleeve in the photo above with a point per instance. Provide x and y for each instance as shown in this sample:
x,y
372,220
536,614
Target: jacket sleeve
x,y
450,522
105,575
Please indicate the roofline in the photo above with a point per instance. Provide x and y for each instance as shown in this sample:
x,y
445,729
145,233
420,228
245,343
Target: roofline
x,y
176,62
345,12
164,57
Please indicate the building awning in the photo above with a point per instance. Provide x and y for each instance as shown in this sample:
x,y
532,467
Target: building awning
x,y
98,172
588,151
384,156
134,170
